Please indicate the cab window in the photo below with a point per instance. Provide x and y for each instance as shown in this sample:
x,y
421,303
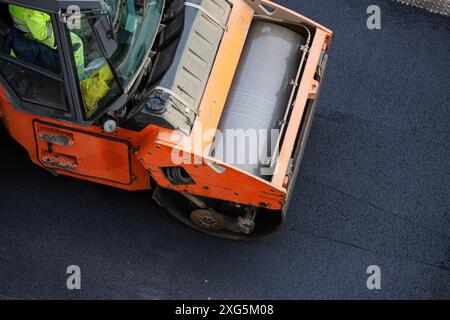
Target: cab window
x,y
29,57
97,84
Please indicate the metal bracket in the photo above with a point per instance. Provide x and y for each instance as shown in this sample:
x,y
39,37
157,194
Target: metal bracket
x,y
176,96
295,84
314,89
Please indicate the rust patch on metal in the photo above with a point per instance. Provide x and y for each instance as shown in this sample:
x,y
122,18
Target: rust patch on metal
x,y
59,160
54,136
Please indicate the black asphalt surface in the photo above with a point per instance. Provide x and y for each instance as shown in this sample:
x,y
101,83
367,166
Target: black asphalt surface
x,y
373,190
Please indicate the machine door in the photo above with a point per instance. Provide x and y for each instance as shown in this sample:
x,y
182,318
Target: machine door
x,y
83,154
32,72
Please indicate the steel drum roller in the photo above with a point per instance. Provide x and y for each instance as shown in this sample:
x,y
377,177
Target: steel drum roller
x,y
260,91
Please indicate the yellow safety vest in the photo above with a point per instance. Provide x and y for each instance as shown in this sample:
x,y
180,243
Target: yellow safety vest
x,y
95,88
78,54
37,25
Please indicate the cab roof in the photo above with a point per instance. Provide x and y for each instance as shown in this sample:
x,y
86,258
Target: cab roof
x,y
55,5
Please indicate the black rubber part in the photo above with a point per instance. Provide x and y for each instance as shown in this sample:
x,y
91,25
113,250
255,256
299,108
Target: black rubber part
x,y
178,206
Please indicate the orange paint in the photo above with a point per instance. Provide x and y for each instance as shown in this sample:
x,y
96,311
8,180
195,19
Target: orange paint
x,y
299,108
129,160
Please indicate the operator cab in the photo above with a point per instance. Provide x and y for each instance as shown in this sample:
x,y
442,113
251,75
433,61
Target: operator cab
x,y
144,62
79,88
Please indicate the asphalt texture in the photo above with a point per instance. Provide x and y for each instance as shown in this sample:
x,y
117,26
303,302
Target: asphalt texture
x,y
373,190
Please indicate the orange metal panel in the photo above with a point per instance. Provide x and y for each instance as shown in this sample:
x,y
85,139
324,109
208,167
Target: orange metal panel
x,y
99,158
96,156
284,14
228,183
299,107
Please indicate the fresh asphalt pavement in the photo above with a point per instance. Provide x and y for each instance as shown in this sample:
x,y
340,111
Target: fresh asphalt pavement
x,y
373,190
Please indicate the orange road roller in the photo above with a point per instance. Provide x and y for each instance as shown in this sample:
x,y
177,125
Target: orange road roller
x,y
206,103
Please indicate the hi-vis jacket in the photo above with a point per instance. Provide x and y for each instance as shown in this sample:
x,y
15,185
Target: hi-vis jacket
x,y
38,26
